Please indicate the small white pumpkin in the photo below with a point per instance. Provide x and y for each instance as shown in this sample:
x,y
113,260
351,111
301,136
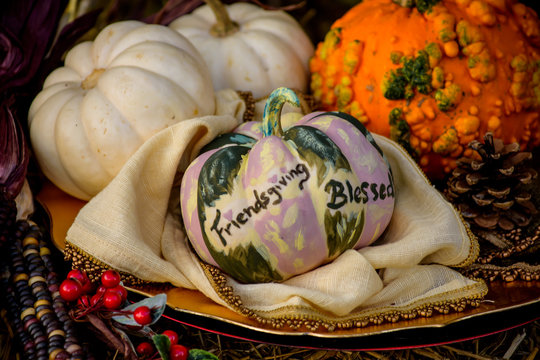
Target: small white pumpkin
x,y
111,95
249,48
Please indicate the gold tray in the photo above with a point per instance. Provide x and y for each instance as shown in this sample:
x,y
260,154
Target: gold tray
x,y
506,305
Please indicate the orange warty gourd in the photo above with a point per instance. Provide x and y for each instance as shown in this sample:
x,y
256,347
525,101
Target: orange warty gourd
x,y
434,79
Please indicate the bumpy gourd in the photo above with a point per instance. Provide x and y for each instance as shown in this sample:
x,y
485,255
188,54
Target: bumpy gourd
x,y
266,203
435,77
248,48
111,95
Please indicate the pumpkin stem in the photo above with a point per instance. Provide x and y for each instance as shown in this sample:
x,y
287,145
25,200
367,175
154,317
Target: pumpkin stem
x,y
91,80
271,123
224,26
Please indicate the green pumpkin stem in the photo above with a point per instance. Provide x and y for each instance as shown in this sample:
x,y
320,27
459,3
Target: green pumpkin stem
x,y
271,123
224,26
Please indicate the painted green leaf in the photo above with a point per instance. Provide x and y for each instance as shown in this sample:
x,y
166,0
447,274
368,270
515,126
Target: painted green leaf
x,y
245,264
342,233
217,174
228,139
317,149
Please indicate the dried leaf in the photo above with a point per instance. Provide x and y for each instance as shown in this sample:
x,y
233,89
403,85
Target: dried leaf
x,y
27,29
14,154
156,303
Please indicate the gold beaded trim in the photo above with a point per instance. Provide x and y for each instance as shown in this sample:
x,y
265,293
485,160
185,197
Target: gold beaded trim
x,y
489,272
94,268
314,323
520,244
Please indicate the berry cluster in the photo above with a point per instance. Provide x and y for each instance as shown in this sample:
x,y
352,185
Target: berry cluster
x,y
176,351
110,295
108,300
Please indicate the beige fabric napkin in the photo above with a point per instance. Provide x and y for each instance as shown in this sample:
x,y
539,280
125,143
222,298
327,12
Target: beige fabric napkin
x,y
131,227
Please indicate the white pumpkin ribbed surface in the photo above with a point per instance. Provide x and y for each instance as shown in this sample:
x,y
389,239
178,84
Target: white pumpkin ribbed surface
x,y
269,50
111,95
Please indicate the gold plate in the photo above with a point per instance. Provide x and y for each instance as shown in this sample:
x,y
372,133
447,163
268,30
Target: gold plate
x,y
506,305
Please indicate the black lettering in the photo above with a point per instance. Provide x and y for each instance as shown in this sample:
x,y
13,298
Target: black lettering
x,y
293,173
390,187
363,187
240,218
335,189
382,192
259,203
302,169
273,190
357,194
249,211
219,231
349,187
374,191
265,200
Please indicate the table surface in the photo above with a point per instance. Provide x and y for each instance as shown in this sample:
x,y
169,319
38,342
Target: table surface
x,y
506,305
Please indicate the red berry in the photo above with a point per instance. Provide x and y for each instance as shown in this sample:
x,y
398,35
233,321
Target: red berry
x,y
120,290
178,352
142,315
145,349
79,275
84,301
70,289
112,300
101,290
110,278
95,299
173,336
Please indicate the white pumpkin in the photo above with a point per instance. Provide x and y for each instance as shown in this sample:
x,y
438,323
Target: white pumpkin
x,y
249,48
111,95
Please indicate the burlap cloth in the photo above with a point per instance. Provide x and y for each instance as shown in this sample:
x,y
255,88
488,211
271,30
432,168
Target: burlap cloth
x,y
133,226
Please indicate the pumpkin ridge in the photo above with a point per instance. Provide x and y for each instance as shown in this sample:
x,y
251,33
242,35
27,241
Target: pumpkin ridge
x,y
116,95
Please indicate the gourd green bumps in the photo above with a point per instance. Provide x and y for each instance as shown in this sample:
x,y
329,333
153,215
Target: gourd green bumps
x,y
266,203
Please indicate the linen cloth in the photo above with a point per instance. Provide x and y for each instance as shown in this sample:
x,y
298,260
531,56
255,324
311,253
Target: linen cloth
x,y
134,226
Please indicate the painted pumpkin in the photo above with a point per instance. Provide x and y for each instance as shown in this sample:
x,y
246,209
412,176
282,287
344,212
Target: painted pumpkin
x,y
435,76
248,48
111,95
281,202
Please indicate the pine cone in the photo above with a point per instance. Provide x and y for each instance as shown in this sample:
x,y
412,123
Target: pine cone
x,y
489,190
